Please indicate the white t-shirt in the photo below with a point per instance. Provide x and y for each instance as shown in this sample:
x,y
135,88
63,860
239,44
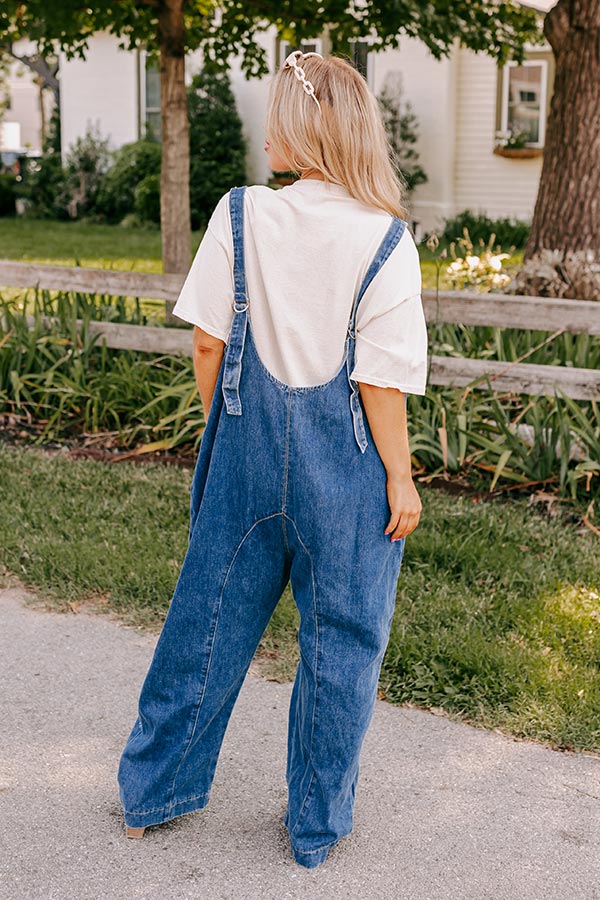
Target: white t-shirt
x,y
307,248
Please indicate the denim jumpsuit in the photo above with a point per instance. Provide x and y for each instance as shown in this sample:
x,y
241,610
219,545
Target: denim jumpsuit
x,y
288,486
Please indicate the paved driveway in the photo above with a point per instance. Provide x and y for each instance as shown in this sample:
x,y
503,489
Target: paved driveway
x,y
443,810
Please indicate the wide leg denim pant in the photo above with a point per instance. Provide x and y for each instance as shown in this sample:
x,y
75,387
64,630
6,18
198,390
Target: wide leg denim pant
x,y
288,486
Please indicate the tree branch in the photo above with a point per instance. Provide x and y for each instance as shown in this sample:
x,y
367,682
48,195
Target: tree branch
x,y
42,68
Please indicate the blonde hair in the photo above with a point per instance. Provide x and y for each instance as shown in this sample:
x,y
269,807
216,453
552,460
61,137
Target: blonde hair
x,y
344,140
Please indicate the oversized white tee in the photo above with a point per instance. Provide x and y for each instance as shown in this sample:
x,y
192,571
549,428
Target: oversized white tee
x,y
307,249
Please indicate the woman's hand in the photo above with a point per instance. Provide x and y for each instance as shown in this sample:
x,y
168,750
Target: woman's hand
x,y
405,506
386,412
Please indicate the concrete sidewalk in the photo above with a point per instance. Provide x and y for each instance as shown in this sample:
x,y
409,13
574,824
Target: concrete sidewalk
x,y
443,810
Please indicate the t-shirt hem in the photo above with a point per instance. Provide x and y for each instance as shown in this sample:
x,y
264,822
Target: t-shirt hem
x,y
379,382
193,319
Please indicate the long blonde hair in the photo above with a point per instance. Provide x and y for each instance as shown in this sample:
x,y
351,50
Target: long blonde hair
x,y
344,140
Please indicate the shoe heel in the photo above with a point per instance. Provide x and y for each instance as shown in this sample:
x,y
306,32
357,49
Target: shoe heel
x,y
134,832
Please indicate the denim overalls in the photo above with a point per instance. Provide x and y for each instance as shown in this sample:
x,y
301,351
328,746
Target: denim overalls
x,y
288,486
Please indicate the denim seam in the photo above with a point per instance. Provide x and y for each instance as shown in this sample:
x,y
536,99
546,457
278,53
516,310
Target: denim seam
x,y
143,812
304,802
212,636
318,849
314,711
286,472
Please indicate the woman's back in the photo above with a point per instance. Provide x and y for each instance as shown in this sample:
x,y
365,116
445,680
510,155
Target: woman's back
x,y
308,247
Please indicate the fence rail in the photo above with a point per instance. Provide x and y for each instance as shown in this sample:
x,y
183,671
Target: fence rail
x,y
449,307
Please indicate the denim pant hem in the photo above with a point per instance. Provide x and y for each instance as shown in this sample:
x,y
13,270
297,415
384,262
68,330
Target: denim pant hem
x,y
310,859
165,813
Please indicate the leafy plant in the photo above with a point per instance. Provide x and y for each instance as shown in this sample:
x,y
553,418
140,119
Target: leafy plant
x,y
514,140
401,125
509,232
8,191
131,165
217,143
68,383
62,377
481,269
87,162
43,185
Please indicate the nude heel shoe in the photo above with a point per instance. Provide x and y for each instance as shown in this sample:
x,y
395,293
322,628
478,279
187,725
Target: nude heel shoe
x,y
134,832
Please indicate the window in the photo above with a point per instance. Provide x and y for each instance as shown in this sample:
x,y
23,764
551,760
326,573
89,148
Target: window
x,y
524,101
285,48
359,54
152,100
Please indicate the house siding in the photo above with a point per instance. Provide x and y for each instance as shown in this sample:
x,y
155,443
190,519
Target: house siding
x,y
483,181
100,92
429,86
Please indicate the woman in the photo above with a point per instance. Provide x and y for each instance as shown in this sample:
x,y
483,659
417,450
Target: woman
x,y
303,473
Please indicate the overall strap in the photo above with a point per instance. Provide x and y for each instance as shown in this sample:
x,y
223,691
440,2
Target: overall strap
x,y
237,336
389,242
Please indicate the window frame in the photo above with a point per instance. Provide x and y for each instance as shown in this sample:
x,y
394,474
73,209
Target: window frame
x,y
144,109
543,112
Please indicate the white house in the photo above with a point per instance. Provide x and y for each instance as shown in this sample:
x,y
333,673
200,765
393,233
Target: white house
x,y
20,120
463,104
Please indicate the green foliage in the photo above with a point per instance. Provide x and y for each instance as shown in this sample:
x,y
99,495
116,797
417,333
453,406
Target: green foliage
x,y
8,191
147,199
479,267
82,243
131,164
70,383
44,179
501,29
87,162
401,125
495,441
509,232
217,144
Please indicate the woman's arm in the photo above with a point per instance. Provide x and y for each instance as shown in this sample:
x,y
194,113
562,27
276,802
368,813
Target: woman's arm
x,y
386,412
207,355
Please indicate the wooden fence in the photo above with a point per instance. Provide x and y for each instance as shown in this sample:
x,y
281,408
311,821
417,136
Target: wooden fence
x,y
456,307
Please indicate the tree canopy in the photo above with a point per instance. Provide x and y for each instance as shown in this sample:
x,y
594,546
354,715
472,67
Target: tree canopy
x,y
222,29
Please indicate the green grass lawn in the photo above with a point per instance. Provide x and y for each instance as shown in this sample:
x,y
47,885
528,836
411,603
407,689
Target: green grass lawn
x,y
126,249
74,243
497,616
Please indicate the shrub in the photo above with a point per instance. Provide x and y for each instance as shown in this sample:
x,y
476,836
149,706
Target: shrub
x,y
8,186
43,182
479,267
217,144
401,126
87,162
147,199
132,164
508,231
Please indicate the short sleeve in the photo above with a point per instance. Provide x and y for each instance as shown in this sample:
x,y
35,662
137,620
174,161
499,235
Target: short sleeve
x,y
391,332
206,297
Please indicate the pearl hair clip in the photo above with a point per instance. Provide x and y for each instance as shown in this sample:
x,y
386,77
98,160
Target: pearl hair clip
x,y
292,62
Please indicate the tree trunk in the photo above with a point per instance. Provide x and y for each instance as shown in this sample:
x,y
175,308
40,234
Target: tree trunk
x,y
567,209
43,129
175,165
